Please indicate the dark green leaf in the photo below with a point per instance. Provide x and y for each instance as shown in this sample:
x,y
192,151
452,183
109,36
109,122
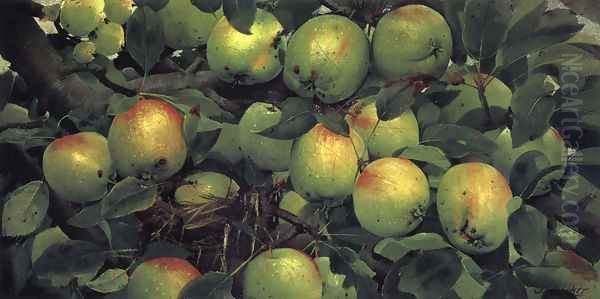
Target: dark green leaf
x,y
532,107
296,119
428,154
293,13
128,196
18,264
333,121
587,8
110,281
65,261
486,24
505,286
529,233
105,228
428,114
87,217
7,83
566,58
458,141
371,87
25,209
209,6
26,137
45,239
240,14
454,14
119,103
358,274
202,144
431,274
526,17
145,40
396,248
525,171
206,106
125,232
589,156
156,5
212,285
394,99
162,248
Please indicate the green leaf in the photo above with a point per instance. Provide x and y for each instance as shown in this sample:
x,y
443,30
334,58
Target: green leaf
x,y
25,209
212,285
45,239
454,15
431,274
26,137
156,5
209,6
347,262
428,114
486,24
333,284
191,122
578,188
105,228
529,232
207,107
586,8
17,264
162,248
428,154
524,176
589,156
396,248
394,99
201,145
119,103
555,26
110,281
293,13
240,14
88,216
458,141
145,40
532,108
125,232
296,119
514,204
333,121
68,260
505,286
526,17
128,196
565,58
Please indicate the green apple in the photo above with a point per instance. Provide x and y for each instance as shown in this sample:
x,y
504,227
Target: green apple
x,y
282,273
147,140
472,203
109,38
412,41
327,57
227,148
80,17
246,58
325,164
202,187
78,167
186,26
390,197
266,153
383,138
161,278
467,110
83,52
118,11
296,204
551,144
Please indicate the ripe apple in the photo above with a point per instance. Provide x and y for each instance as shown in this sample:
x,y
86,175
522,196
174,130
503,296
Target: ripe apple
x,y
202,187
412,41
161,278
282,273
383,138
327,57
80,17
325,164
467,110
186,26
472,203
246,58
266,153
78,167
147,140
551,144
390,197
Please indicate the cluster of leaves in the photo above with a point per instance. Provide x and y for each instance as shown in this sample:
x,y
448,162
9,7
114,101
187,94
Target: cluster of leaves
x,y
520,42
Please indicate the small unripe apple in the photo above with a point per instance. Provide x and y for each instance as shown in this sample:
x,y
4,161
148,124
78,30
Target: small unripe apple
x,y
205,186
412,41
472,203
161,278
147,140
383,138
325,164
118,11
551,144
186,26
390,197
327,57
227,148
246,58
266,153
467,109
83,52
295,204
80,17
78,167
282,273
109,39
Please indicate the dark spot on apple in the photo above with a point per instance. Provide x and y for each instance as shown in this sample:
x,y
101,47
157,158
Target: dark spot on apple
x,y
296,69
100,173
